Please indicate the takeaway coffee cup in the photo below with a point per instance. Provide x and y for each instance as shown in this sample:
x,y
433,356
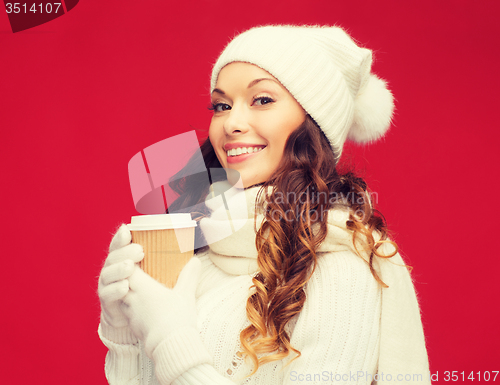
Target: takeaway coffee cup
x,y
168,243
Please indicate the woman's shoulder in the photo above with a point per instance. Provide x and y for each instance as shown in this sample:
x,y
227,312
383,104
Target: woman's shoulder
x,y
341,271
342,298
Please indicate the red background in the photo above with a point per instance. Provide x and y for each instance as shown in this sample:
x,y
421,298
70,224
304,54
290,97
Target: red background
x,y
82,94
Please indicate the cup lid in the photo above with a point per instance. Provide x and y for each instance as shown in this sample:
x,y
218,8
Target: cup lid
x,y
161,222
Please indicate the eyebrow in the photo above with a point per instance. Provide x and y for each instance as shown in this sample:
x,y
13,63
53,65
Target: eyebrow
x,y
219,91
252,83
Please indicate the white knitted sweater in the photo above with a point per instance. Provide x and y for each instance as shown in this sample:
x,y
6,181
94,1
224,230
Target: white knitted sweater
x,y
349,329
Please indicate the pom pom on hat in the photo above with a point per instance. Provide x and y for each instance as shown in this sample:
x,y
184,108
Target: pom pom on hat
x,y
373,108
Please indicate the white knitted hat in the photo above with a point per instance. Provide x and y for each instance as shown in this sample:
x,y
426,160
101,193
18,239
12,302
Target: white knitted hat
x,y
325,71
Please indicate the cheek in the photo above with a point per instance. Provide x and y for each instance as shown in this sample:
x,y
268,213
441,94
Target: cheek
x,y
211,132
214,140
216,131
295,117
280,136
276,153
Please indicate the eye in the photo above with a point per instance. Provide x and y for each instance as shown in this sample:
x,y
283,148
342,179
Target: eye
x,y
219,107
260,101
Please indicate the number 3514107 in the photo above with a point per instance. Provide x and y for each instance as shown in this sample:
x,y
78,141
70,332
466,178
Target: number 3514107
x,y
472,376
32,7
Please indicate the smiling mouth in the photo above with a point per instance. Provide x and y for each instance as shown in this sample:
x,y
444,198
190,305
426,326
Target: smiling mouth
x,y
243,151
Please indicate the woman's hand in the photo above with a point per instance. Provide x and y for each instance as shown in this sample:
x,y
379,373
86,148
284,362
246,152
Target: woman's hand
x,y
114,285
155,312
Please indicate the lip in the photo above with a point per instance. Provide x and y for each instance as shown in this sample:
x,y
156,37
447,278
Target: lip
x,y
242,158
230,146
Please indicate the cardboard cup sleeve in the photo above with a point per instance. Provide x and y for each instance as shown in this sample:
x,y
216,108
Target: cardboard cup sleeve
x,y
164,251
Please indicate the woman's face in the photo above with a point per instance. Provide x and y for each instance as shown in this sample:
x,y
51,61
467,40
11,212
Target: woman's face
x,y
253,117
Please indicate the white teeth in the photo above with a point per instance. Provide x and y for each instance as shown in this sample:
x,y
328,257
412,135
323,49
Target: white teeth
x,y
243,150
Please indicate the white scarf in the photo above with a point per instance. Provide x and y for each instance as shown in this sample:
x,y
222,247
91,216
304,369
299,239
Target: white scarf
x,y
235,251
402,344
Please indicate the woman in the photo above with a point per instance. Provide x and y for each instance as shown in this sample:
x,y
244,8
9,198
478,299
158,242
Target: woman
x,y
310,288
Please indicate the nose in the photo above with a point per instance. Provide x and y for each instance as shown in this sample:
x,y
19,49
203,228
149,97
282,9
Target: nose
x,y
236,121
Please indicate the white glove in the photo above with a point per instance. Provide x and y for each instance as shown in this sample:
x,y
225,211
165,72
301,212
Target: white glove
x,y
156,312
113,285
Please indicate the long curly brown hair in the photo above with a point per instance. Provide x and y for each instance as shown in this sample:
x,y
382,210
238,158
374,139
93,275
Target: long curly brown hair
x,y
287,248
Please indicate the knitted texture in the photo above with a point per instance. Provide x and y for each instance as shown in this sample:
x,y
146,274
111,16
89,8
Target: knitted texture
x,y
325,71
338,329
182,351
122,361
113,286
348,325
